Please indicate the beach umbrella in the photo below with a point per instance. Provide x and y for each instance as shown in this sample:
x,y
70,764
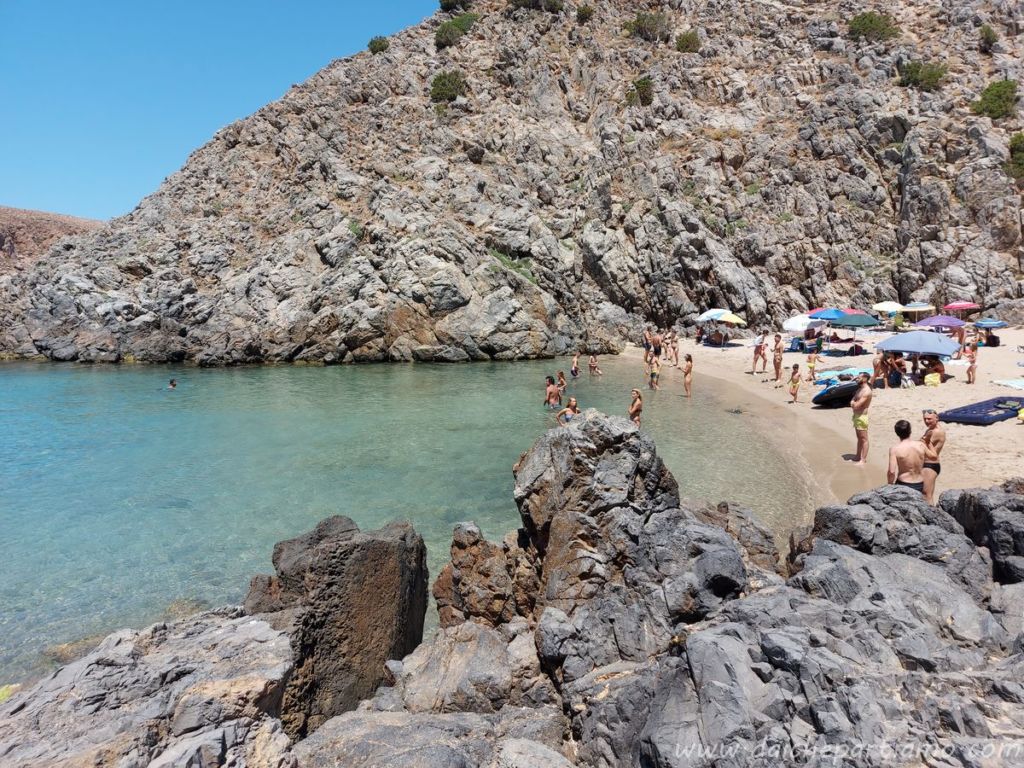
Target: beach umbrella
x,y
800,323
854,312
920,343
941,321
916,307
855,321
712,314
730,318
961,306
828,314
989,322
888,307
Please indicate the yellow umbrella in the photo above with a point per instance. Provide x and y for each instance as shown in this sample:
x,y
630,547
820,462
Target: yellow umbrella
x,y
730,318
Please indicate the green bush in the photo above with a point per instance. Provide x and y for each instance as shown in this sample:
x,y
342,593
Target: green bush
x,y
378,44
552,6
652,27
454,5
873,27
688,42
923,75
998,100
584,14
448,86
1015,167
987,38
641,93
450,32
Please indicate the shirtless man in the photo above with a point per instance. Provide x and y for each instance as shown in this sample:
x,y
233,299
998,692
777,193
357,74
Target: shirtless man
x,y
906,459
552,395
860,403
934,440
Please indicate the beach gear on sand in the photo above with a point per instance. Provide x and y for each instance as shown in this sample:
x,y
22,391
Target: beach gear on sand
x,y
961,306
1012,383
984,413
941,321
888,307
837,395
730,318
932,380
711,314
800,323
828,314
990,322
855,321
919,342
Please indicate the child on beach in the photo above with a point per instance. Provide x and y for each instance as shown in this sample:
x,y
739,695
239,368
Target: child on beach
x,y
794,382
812,361
972,362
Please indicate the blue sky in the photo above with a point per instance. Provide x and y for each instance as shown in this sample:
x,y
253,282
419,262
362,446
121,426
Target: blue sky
x,y
100,101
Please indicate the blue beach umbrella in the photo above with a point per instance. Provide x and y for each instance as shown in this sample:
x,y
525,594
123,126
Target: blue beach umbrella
x,y
712,314
990,322
920,343
828,314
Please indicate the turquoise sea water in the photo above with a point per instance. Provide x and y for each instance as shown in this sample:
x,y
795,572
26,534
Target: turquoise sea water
x,y
118,496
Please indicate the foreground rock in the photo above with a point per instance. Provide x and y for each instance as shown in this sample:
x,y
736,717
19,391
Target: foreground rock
x,y
225,688
779,168
350,602
627,628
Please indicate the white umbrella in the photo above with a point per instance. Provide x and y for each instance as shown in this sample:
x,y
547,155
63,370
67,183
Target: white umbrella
x,y
888,307
712,314
801,323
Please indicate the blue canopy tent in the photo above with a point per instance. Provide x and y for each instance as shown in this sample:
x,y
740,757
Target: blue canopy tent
x,y
920,343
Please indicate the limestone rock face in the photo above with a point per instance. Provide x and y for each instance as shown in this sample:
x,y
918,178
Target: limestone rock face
x,y
204,691
779,168
352,601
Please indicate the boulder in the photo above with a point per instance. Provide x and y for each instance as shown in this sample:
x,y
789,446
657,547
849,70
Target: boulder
x,y
994,519
352,600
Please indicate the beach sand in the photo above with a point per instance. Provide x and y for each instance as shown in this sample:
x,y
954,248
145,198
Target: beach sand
x,y
823,440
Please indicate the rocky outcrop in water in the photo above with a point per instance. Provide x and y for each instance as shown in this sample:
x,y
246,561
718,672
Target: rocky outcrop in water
x,y
778,168
620,626
655,638
229,687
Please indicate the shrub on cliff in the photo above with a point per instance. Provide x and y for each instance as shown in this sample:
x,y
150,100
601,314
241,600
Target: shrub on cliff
x,y
923,75
378,45
652,27
688,42
998,100
454,5
641,93
873,27
584,14
1015,166
552,6
450,32
987,38
448,86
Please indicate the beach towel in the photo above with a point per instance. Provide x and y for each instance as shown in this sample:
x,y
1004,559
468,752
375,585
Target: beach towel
x,y
932,380
1013,383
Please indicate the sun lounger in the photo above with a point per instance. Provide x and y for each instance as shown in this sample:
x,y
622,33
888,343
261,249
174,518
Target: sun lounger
x,y
985,412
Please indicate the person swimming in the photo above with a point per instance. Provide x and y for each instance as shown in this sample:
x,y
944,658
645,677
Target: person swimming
x,y
173,384
567,414
636,407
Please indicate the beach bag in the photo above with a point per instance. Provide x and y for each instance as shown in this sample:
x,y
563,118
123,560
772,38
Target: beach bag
x,y
932,380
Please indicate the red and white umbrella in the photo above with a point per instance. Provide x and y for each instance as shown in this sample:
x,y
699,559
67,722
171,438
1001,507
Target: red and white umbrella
x,y
962,306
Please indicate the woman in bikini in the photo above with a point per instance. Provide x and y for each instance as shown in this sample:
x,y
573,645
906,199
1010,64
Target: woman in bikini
x,y
777,360
562,383
687,373
636,407
568,413
592,365
972,362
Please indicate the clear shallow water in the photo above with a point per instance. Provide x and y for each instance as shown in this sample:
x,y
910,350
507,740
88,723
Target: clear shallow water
x,y
118,496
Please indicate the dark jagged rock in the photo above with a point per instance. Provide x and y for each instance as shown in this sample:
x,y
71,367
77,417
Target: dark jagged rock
x,y
993,519
352,601
663,650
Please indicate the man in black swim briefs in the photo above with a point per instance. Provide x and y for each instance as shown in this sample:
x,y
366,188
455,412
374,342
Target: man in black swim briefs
x,y
906,459
934,440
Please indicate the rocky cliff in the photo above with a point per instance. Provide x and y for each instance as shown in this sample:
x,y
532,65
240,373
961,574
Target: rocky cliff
x,y
585,179
28,235
618,627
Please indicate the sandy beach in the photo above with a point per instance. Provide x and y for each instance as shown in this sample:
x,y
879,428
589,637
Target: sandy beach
x,y
823,439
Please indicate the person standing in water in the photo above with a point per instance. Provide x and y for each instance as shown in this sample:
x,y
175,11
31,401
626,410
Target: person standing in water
x,y
568,413
636,407
655,372
646,342
934,440
173,384
552,397
562,384
777,360
972,362
794,382
906,459
672,346
687,373
592,365
575,370
860,404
